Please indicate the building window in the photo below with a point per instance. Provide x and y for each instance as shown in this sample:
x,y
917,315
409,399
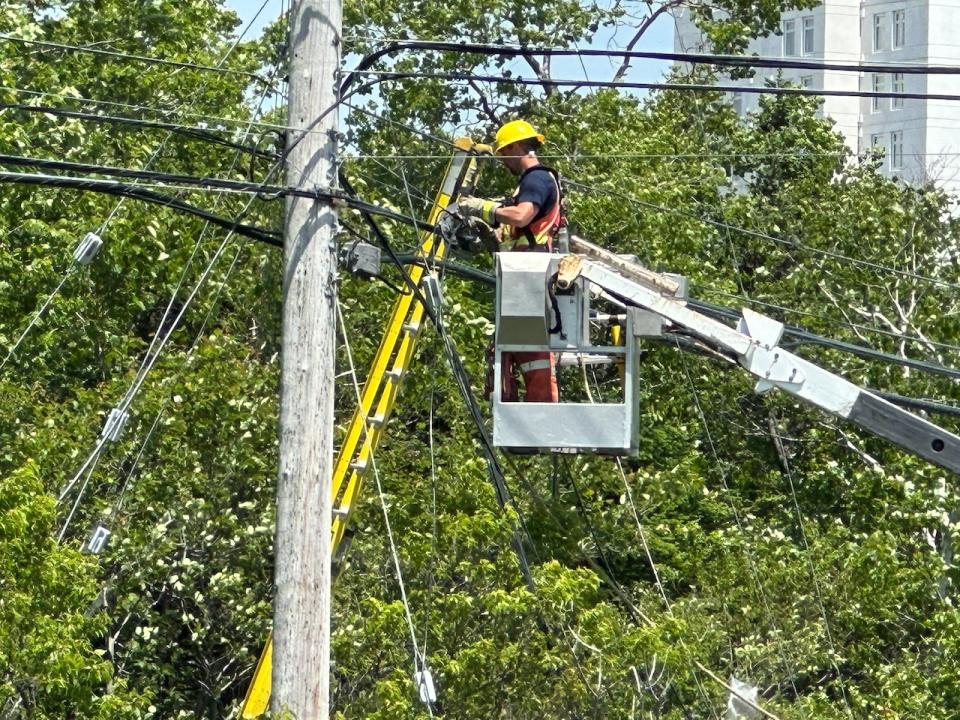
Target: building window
x,y
898,85
899,28
808,36
789,37
896,150
876,141
878,37
877,88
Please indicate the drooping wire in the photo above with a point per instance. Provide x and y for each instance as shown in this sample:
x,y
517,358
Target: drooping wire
x,y
37,315
46,44
764,236
420,664
156,348
723,478
791,672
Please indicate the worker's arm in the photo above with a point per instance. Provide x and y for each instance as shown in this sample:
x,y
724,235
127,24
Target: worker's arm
x,y
518,215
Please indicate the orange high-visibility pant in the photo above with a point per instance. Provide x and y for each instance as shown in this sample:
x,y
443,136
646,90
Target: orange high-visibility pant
x,y
539,377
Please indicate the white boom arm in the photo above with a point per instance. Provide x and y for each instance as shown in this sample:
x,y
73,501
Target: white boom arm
x,y
755,345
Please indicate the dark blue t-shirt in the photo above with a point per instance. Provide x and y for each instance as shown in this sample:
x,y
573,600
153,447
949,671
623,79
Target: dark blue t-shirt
x,y
538,186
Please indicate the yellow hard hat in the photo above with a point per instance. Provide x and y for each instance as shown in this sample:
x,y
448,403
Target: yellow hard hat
x,y
514,131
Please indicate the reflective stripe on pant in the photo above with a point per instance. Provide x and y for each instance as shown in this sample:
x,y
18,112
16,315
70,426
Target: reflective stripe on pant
x,y
539,378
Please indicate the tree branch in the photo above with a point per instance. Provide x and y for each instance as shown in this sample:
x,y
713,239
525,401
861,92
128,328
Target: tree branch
x,y
485,104
839,307
542,74
669,5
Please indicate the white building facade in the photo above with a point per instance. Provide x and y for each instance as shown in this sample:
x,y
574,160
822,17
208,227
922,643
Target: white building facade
x,y
920,138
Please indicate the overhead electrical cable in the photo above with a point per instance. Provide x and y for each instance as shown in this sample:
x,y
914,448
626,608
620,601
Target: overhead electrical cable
x,y
787,667
420,664
727,492
764,236
391,45
725,225
198,132
152,175
111,187
718,311
133,466
467,77
119,413
164,113
119,204
803,337
46,44
857,326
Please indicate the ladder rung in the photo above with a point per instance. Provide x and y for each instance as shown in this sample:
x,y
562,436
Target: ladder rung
x,y
341,511
394,374
411,328
358,466
376,420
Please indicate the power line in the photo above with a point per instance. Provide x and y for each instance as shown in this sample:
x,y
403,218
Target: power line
x,y
111,187
198,131
802,335
764,236
259,189
740,61
162,112
644,156
160,177
809,338
806,546
150,359
419,659
856,326
727,493
196,341
390,75
131,56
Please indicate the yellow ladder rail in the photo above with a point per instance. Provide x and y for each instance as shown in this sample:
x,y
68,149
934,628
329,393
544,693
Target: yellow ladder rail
x,y
379,393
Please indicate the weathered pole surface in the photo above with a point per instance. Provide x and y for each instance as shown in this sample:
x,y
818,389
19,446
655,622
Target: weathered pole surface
x,y
301,629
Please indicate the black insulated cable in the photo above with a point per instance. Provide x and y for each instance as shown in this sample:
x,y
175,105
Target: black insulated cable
x,y
111,187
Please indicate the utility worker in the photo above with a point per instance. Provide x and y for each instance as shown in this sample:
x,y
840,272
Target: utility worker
x,y
532,216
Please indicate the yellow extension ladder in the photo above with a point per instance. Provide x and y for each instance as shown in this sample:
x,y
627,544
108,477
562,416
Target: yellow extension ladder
x,y
379,392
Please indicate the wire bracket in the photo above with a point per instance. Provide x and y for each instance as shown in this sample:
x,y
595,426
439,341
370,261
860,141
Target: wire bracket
x,y
113,427
97,541
87,249
424,680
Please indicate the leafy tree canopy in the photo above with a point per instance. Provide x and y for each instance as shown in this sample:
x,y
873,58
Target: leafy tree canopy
x,y
750,536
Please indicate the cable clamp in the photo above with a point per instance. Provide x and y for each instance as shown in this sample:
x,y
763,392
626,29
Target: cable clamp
x,y
433,293
113,427
87,249
97,541
424,680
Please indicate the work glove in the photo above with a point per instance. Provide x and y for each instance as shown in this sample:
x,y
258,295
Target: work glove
x,y
466,234
479,208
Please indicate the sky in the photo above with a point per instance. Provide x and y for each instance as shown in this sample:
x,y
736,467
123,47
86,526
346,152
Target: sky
x,y
658,38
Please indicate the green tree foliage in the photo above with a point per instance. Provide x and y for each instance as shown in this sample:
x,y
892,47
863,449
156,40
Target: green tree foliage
x,y
749,536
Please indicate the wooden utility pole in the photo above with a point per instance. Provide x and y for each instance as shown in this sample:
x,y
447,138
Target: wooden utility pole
x,y
301,627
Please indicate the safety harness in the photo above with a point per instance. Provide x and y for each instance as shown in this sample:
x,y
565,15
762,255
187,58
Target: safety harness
x,y
542,231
